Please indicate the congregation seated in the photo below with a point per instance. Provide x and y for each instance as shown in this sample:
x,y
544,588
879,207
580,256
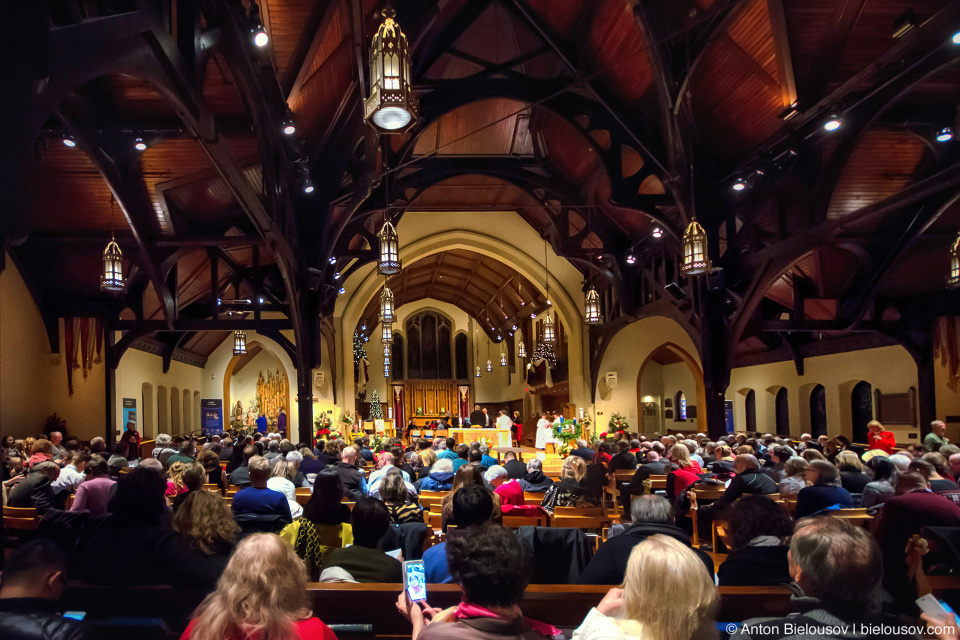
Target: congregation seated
x,y
839,569
933,467
853,476
534,480
385,462
794,477
71,474
881,487
665,595
210,462
571,491
649,516
493,569
750,479
428,459
824,491
240,476
258,500
263,594
758,527
32,581
363,561
193,478
204,521
93,494
324,525
185,454
623,460
440,477
470,505
281,481
583,451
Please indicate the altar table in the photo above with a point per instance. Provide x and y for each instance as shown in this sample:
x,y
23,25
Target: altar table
x,y
496,437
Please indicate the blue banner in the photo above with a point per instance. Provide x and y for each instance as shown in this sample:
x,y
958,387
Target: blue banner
x,y
728,406
212,423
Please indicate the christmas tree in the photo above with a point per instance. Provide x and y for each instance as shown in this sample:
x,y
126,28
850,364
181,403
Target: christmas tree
x,y
359,353
376,411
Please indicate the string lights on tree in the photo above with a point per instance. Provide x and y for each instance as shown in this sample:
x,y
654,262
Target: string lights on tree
x,y
359,353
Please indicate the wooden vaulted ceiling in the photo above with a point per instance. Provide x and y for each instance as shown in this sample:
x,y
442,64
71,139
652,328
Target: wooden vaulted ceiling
x,y
492,293
513,148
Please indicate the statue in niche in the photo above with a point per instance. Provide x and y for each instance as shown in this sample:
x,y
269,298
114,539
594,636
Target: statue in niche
x,y
238,412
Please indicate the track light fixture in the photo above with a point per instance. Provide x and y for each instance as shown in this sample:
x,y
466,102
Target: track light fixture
x,y
657,232
739,184
289,128
68,141
139,144
832,123
631,259
945,135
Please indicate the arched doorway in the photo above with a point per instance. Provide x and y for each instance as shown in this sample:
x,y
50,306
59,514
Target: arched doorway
x,y
750,410
782,409
861,409
818,411
669,390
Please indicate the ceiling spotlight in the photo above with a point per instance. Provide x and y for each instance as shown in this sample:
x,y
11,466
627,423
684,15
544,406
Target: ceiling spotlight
x,y
956,38
739,185
363,328
342,291
533,315
68,141
514,327
657,232
260,37
832,123
307,185
945,135
288,128
139,144
261,300
333,260
336,276
631,259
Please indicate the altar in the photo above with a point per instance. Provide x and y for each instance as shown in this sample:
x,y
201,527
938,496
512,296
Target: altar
x,y
495,437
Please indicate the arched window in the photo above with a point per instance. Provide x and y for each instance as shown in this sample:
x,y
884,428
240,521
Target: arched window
x,y
861,409
750,410
428,347
818,411
782,413
681,402
398,353
460,353
149,416
163,410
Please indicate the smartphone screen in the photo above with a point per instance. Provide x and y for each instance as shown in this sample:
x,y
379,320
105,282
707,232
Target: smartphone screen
x,y
75,615
933,607
415,580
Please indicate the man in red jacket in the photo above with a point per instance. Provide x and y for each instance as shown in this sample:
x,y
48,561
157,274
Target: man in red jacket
x,y
914,507
880,439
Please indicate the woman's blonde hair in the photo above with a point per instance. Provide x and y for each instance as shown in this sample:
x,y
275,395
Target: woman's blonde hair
x,y
28,446
668,591
851,459
260,594
680,456
284,469
574,467
205,521
428,458
176,475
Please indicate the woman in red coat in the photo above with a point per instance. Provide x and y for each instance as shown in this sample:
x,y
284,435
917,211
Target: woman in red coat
x,y
880,439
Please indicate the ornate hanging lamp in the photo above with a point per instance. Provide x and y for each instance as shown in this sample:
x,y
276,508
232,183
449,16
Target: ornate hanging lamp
x,y
239,343
386,305
503,359
549,336
388,263
391,106
591,306
953,280
695,260
386,338
387,351
478,372
112,279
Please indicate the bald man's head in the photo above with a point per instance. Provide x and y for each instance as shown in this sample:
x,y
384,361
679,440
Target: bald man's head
x,y
744,462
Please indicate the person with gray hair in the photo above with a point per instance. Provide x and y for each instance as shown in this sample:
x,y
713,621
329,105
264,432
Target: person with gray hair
x,y
535,481
583,451
151,463
937,437
487,460
839,568
824,491
749,479
650,515
36,490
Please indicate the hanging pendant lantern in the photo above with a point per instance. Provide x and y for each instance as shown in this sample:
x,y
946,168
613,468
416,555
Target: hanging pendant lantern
x,y
521,349
391,106
112,278
549,337
239,343
386,305
387,335
478,372
503,359
388,264
591,306
489,366
695,260
953,280
387,351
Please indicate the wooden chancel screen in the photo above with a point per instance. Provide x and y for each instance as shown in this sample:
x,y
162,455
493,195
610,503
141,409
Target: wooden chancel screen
x,y
273,393
430,397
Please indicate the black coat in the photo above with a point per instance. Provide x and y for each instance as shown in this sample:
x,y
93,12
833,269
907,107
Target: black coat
x,y
34,492
622,461
515,469
38,619
755,567
753,481
352,479
610,562
478,419
853,480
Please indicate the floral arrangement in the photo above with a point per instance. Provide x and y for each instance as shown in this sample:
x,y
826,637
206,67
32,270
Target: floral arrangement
x,y
325,429
347,419
618,423
567,433
376,443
